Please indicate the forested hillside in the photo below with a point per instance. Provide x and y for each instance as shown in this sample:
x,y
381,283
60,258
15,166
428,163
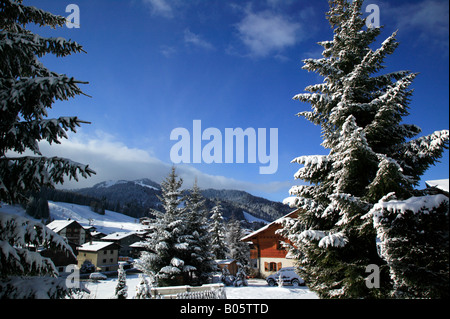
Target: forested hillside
x,y
136,198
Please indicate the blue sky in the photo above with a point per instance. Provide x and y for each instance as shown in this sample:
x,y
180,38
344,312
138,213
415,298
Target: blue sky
x,y
156,65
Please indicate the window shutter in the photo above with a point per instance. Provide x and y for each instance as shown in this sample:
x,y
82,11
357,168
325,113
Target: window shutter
x,y
279,266
266,266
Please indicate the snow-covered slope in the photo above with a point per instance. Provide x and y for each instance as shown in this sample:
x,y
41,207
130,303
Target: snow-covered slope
x,y
251,219
108,223
144,182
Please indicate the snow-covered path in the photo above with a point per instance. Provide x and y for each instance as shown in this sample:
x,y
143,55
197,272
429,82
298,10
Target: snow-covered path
x,y
257,289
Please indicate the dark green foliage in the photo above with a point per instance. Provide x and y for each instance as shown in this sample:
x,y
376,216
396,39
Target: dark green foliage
x,y
371,153
27,90
415,244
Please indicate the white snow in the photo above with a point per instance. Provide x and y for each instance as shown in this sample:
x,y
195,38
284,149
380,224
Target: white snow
x,y
414,204
441,184
252,219
109,183
140,183
333,240
108,223
95,245
256,289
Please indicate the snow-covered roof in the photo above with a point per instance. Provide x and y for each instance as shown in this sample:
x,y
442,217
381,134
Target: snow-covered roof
x,y
139,244
278,221
58,225
441,184
118,235
95,245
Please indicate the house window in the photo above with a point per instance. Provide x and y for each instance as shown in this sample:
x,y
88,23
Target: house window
x,y
104,260
112,252
272,266
105,252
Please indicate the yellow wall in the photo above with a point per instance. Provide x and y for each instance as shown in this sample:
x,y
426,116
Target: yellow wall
x,y
97,259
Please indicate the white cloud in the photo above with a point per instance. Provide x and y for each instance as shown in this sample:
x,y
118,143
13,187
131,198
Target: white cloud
x,y
167,51
113,160
430,16
428,20
196,40
264,33
160,7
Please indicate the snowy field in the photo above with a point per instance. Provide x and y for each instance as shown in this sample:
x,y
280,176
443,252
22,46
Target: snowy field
x,y
108,223
256,289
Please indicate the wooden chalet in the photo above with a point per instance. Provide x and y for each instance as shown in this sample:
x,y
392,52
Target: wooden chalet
x,y
125,241
267,254
70,229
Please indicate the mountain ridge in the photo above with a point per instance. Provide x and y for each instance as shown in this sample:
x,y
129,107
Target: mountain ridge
x,y
137,197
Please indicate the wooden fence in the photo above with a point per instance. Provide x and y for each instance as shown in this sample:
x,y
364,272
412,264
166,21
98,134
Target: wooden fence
x,y
208,291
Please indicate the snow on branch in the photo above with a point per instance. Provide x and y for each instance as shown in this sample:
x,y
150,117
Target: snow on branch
x,y
333,240
16,235
311,235
314,166
36,172
422,204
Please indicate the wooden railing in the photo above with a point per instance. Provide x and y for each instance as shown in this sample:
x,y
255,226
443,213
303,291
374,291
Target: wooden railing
x,y
208,291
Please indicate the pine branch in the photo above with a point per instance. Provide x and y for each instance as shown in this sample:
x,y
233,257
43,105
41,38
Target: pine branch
x,y
21,175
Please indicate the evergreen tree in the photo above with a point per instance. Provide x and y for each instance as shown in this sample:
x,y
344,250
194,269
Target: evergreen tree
x,y
414,241
25,274
143,288
27,90
238,249
43,209
121,287
217,231
199,254
167,244
370,154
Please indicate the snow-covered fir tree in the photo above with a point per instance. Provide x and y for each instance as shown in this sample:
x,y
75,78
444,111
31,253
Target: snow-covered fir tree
x,y
27,90
217,231
414,241
167,244
25,274
121,291
237,249
370,153
199,253
143,290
